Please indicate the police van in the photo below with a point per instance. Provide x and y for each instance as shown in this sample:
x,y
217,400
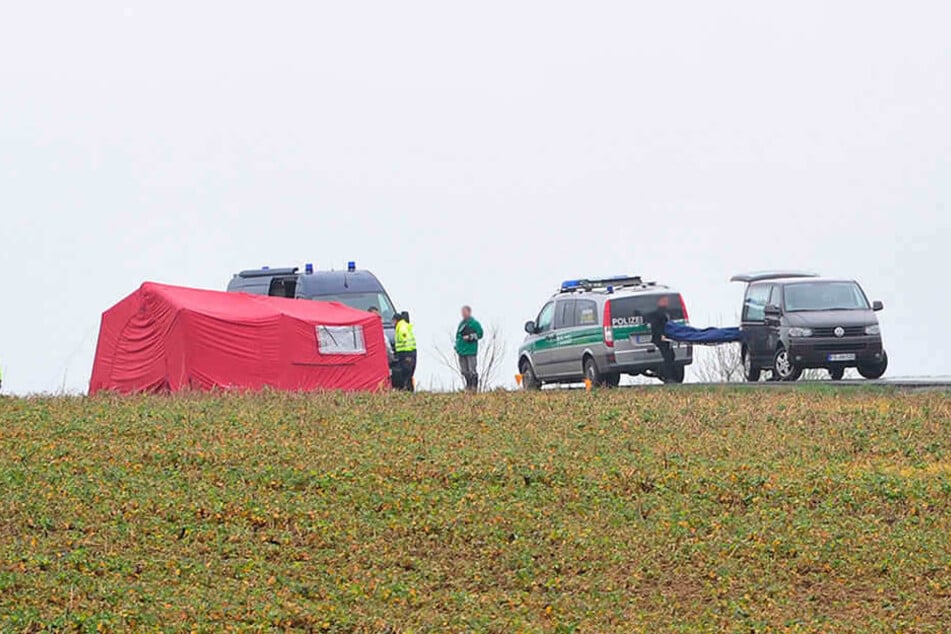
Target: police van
x,y
598,329
356,288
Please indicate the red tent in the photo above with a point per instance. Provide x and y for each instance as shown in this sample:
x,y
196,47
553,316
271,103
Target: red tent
x,y
167,338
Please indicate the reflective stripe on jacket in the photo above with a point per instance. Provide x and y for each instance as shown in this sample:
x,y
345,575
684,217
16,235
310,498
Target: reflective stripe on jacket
x,y
405,339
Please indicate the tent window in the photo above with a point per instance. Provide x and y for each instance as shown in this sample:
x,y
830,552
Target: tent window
x,y
340,340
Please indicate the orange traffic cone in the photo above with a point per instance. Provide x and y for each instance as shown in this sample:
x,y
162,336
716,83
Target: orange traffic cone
x,y
518,380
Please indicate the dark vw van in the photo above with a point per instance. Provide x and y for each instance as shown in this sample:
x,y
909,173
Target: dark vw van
x,y
794,321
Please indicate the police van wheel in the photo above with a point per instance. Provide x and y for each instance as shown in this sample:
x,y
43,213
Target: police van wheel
x,y
529,380
612,379
678,377
591,372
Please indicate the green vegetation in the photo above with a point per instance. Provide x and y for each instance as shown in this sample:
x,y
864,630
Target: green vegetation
x,y
630,510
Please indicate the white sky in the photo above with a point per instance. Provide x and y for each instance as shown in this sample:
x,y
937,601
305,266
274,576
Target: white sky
x,y
469,153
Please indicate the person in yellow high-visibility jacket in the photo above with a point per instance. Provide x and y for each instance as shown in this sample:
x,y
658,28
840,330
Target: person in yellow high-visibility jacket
x,y
405,347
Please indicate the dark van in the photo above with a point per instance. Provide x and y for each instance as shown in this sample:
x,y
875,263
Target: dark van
x,y
358,289
794,321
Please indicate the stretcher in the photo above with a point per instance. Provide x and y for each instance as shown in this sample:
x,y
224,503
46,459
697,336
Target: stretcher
x,y
702,336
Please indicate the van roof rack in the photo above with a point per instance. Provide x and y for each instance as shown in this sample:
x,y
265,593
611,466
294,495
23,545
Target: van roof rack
x,y
762,276
607,283
268,272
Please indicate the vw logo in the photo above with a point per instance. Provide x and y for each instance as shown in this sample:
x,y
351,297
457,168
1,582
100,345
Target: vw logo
x,y
839,331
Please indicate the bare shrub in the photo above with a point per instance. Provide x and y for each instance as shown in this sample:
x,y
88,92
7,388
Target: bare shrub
x,y
718,364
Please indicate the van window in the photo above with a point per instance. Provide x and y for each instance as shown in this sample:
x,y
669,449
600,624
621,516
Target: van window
x,y
636,310
564,313
754,306
586,313
544,321
825,296
283,287
362,301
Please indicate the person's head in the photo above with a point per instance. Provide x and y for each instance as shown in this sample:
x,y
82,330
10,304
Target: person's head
x,y
466,312
663,302
396,317
374,310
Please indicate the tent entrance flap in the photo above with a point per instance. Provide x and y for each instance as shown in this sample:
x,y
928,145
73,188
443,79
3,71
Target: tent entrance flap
x,y
682,332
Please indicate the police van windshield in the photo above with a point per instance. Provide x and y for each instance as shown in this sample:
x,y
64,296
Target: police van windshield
x,y
637,309
808,296
363,301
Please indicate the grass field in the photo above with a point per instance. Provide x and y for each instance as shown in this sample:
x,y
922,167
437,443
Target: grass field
x,y
625,511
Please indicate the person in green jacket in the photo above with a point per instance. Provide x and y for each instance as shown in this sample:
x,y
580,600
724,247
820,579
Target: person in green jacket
x,y
467,347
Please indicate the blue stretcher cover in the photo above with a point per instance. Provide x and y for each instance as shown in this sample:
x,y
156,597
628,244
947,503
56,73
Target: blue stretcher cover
x,y
682,332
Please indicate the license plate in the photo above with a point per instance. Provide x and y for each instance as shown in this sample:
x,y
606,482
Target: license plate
x,y
641,338
844,356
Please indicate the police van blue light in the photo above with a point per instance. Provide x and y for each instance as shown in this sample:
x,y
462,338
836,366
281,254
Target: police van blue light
x,y
568,285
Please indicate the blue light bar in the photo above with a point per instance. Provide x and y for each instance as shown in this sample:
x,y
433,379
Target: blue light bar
x,y
265,268
308,268
568,285
610,284
351,266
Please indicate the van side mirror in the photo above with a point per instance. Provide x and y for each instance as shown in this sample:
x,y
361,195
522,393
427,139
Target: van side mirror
x,y
530,327
877,306
772,310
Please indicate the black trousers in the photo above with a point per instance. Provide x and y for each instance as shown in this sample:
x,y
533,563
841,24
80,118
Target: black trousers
x,y
667,352
407,365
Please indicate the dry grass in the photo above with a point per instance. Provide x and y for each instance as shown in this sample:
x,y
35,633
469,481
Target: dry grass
x,y
634,510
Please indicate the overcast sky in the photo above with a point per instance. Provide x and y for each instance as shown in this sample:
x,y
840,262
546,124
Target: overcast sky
x,y
469,153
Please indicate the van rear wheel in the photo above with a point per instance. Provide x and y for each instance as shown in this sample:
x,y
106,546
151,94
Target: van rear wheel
x,y
591,372
679,375
750,373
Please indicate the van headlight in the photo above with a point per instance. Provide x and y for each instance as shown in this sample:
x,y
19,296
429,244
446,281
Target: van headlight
x,y
874,329
796,331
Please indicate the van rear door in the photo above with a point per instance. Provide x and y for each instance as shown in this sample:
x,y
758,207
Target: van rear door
x,y
630,318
